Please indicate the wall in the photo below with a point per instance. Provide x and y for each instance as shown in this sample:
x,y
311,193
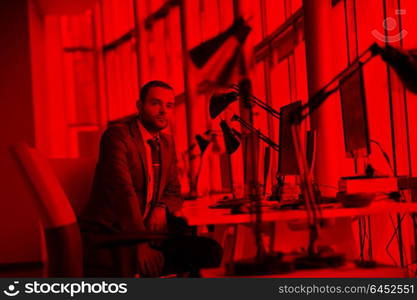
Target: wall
x,y
19,234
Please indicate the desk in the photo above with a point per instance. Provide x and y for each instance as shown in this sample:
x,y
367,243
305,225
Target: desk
x,y
199,214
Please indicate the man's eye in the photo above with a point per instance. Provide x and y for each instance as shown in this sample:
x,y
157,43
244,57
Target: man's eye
x,y
170,106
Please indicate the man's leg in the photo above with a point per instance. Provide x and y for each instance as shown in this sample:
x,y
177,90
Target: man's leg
x,y
189,253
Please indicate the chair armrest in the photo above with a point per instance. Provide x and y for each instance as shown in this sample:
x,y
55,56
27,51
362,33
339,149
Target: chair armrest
x,y
125,239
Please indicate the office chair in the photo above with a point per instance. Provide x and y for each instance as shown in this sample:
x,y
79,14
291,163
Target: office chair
x,y
60,227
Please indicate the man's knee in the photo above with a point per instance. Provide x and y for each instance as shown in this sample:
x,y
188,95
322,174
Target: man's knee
x,y
212,250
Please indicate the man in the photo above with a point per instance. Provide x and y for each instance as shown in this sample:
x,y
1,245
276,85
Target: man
x,y
136,188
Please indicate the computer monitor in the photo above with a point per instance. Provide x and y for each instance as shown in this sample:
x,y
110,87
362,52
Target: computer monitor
x,y
287,160
354,115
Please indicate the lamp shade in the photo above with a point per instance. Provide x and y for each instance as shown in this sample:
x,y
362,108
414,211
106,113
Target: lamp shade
x,y
219,102
230,138
202,142
404,62
202,53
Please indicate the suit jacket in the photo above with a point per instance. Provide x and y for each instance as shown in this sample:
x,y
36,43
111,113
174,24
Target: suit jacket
x,y
120,185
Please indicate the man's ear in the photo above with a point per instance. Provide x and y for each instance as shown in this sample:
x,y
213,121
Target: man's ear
x,y
139,105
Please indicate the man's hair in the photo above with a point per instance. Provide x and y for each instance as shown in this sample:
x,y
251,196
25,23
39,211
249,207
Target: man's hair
x,y
151,84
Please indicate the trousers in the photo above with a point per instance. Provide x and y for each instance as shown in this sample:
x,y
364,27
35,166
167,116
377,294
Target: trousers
x,y
186,252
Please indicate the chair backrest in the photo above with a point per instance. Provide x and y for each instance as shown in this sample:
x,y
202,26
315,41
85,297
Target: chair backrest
x,y
62,233
75,176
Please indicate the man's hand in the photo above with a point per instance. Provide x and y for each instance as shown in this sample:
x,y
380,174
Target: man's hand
x,y
151,261
157,221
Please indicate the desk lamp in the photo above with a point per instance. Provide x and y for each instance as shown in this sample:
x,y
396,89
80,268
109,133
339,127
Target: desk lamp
x,y
236,35
202,141
405,65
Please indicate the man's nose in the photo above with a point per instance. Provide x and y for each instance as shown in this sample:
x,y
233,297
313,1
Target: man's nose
x,y
163,109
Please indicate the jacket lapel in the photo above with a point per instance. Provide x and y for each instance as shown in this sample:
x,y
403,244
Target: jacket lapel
x,y
138,139
164,163
165,155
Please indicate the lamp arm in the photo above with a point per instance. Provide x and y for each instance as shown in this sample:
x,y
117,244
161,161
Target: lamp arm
x,y
259,134
265,106
321,96
260,103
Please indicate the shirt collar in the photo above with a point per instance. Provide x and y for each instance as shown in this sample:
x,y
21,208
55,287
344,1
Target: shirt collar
x,y
146,135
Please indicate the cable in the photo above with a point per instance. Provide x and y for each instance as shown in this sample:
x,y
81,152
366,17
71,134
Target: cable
x,y
384,153
395,234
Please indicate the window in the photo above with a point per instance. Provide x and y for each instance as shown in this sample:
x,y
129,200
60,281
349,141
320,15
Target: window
x,y
119,51
80,87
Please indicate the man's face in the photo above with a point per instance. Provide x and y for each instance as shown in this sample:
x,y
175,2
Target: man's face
x,y
157,109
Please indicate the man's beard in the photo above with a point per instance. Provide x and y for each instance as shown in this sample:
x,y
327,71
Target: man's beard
x,y
152,124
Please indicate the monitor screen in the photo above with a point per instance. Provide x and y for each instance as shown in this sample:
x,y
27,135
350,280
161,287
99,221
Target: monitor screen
x,y
355,122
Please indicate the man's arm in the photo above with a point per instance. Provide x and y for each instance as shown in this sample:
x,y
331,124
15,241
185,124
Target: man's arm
x,y
117,181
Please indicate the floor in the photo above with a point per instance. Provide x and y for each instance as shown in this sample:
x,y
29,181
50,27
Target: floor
x,y
347,271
